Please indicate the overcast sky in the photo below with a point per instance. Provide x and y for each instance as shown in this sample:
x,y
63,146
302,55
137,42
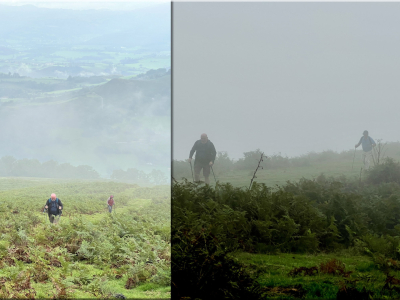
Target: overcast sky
x,y
285,77
87,4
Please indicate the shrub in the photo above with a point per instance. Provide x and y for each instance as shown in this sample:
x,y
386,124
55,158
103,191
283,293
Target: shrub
x,y
201,269
388,171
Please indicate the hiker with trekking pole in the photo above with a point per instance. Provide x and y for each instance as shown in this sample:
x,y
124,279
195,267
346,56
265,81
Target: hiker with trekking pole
x,y
110,203
367,144
205,157
54,208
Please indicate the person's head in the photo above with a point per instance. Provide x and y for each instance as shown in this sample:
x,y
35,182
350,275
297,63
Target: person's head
x,y
365,133
53,197
204,138
111,197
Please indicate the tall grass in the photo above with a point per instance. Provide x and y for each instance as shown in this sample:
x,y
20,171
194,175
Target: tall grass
x,y
90,253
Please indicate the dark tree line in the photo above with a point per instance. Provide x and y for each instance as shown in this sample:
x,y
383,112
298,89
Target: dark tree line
x,y
137,176
12,167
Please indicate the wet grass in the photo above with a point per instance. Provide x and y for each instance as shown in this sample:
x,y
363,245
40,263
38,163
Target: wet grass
x,y
273,177
273,275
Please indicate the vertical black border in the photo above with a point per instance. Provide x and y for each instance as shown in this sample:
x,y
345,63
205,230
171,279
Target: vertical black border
x,y
172,85
172,126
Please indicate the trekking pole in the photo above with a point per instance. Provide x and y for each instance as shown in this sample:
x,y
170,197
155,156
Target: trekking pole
x,y
373,158
44,209
353,158
213,174
192,170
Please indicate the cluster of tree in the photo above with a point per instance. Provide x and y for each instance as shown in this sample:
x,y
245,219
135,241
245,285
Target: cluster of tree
x,y
153,74
133,175
9,75
30,87
10,166
308,216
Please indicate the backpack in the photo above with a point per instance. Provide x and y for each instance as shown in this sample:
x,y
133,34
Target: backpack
x,y
49,202
369,140
207,152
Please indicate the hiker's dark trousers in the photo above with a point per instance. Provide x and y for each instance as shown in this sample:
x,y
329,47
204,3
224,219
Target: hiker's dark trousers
x,y
53,218
110,208
197,168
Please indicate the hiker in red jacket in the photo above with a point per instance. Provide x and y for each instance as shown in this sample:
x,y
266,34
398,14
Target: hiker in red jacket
x,y
110,203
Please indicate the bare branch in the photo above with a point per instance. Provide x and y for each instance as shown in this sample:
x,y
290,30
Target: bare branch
x,y
258,166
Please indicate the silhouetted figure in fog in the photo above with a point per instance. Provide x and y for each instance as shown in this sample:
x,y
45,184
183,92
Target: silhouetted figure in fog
x,y
367,144
205,156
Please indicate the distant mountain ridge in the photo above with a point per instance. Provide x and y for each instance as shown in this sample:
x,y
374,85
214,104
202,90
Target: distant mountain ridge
x,y
145,26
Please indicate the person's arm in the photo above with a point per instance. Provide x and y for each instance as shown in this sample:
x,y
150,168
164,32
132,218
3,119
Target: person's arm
x,y
60,205
192,151
359,143
372,142
213,153
45,206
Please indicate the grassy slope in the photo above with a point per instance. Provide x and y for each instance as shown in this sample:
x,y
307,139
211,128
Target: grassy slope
x,y
275,269
134,202
281,176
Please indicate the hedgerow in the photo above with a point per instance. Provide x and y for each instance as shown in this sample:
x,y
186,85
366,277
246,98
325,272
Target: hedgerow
x,y
308,216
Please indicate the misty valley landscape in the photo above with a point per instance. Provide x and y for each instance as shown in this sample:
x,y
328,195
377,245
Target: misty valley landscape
x,y
107,123
101,78
85,113
43,42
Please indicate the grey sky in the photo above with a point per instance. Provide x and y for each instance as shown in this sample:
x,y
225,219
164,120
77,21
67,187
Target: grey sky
x,y
285,77
85,4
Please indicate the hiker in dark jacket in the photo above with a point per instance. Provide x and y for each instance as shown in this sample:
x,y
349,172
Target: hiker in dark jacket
x,y
54,208
110,203
367,144
205,156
